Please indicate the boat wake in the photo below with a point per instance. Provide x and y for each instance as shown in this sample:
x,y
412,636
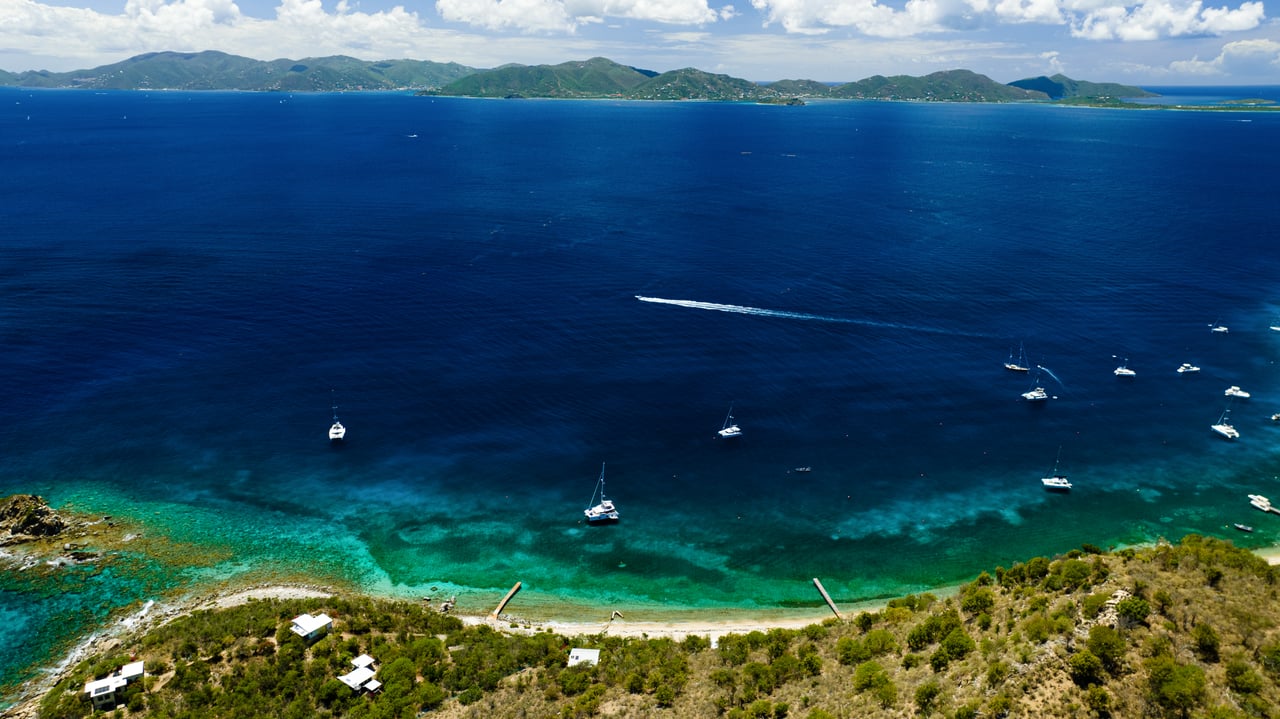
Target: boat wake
x,y
762,312
1051,374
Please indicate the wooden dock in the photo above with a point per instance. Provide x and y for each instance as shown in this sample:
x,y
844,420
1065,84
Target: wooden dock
x,y
504,601
827,597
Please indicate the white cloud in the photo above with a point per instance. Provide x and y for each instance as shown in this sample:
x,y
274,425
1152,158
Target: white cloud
x,y
1154,19
1245,58
1090,19
568,15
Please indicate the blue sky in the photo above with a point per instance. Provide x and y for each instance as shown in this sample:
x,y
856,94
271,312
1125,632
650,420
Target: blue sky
x,y
1142,42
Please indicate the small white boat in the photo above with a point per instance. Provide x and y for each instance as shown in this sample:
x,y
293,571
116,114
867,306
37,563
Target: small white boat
x,y
1242,527
1019,364
1056,481
1187,367
1234,391
802,469
1275,417
1125,372
1220,329
602,512
730,428
337,432
1224,428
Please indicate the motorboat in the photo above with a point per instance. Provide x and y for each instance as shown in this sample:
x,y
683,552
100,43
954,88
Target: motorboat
x,y
1187,368
1235,391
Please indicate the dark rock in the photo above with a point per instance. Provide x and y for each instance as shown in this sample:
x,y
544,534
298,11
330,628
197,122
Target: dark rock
x,y
24,517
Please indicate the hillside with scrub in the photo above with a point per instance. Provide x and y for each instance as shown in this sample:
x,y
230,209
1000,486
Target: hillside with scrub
x,y
1185,630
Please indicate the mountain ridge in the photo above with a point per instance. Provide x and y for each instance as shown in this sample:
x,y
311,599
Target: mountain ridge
x,y
596,77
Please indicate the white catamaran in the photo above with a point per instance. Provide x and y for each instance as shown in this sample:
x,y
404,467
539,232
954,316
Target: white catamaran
x,y
602,512
730,428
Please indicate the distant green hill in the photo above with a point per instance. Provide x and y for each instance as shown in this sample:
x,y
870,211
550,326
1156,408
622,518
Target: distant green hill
x,y
220,71
1061,87
596,77
945,86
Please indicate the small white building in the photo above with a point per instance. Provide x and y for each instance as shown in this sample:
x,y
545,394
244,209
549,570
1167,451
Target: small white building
x,y
361,678
590,657
102,692
311,628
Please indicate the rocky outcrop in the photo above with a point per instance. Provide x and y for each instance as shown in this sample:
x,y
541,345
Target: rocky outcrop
x,y
27,517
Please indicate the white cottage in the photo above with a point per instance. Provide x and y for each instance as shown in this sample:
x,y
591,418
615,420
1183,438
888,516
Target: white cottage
x,y
311,628
102,692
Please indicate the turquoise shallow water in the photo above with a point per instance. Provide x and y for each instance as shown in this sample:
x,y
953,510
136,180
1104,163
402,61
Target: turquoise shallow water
x,y
194,278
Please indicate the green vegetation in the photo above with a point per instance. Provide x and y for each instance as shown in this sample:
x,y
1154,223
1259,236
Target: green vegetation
x,y
1191,630
1061,87
220,71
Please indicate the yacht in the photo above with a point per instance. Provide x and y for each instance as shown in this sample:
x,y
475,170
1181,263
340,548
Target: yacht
x,y
730,428
1261,502
1123,371
1275,417
602,512
1036,394
1187,367
1234,391
1224,428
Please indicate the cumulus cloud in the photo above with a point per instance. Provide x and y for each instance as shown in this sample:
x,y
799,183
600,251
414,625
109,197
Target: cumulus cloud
x,y
1154,19
1092,19
568,15
1259,58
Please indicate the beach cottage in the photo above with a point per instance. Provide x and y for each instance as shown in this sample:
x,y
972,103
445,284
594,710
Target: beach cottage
x,y
590,657
102,692
311,628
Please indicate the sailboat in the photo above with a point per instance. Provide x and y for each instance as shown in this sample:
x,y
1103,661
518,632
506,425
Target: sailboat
x,y
1056,481
1224,428
602,512
730,428
337,432
1019,365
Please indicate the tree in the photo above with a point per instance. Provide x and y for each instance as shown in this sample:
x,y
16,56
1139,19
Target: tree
x,y
1108,645
1086,669
1206,642
1173,686
1133,610
926,695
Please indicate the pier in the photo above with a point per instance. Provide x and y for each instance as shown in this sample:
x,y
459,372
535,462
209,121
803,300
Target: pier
x,y
822,590
504,601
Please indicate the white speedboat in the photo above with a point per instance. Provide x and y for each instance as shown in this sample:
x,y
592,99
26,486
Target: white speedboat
x,y
602,512
730,428
1220,329
1234,391
1187,367
1224,428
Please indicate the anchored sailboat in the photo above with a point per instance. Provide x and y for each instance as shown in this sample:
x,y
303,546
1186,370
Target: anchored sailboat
x,y
1020,364
730,428
337,432
1056,481
601,512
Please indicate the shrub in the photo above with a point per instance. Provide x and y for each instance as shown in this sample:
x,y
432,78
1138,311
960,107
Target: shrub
x,y
926,696
1206,642
1086,668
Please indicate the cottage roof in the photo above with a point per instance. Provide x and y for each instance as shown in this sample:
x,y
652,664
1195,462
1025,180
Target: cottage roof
x,y
357,677
305,624
584,656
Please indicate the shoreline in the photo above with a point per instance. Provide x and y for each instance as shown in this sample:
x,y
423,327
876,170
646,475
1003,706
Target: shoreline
x,y
700,622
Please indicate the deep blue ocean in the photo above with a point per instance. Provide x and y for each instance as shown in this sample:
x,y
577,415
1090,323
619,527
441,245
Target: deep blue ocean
x,y
191,280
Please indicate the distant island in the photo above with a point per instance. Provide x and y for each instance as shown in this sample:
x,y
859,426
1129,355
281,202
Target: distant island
x,y
597,78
